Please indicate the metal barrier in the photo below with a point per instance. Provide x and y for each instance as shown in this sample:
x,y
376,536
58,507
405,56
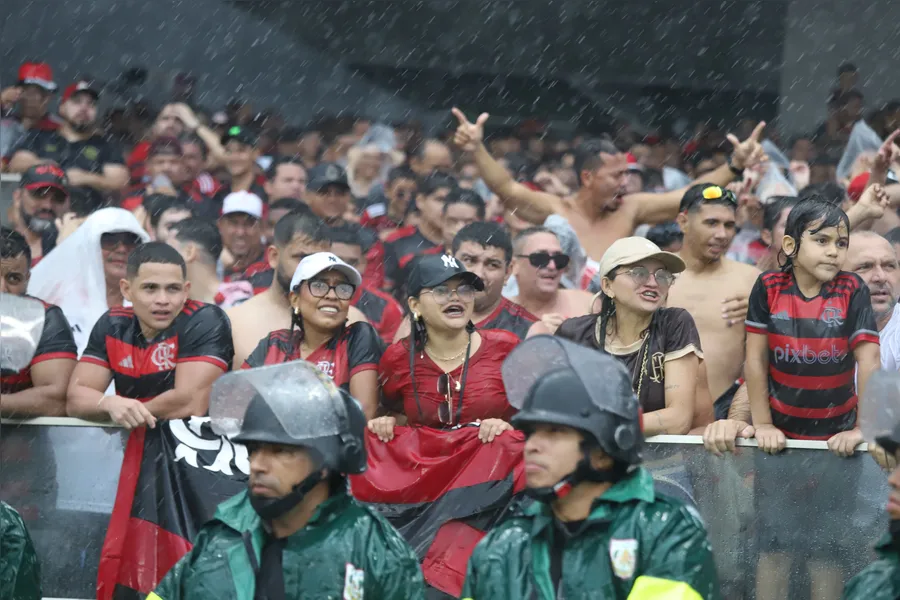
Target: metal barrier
x,y
803,508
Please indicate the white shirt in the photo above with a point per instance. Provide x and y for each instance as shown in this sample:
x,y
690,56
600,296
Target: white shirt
x,y
889,338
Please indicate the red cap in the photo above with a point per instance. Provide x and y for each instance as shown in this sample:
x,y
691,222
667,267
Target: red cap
x,y
633,164
81,86
39,74
858,186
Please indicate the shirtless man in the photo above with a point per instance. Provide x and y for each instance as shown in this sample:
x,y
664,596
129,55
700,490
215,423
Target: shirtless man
x,y
539,264
297,235
714,289
598,211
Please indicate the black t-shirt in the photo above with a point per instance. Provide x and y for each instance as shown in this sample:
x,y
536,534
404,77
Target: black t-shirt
x,y
673,335
143,369
56,342
358,348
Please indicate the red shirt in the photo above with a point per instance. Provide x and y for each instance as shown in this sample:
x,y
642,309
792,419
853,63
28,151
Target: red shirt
x,y
382,311
484,396
135,162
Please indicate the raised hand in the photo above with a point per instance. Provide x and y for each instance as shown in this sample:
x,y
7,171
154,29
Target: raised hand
x,y
468,135
887,154
749,152
874,200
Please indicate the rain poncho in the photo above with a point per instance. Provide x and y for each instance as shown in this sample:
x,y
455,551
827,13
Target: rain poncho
x,y
862,139
72,275
345,551
20,572
881,579
635,545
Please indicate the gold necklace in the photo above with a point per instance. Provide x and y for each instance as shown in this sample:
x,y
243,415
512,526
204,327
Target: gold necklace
x,y
442,359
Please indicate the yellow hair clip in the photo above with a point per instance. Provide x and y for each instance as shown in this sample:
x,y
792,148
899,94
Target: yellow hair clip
x,y
712,192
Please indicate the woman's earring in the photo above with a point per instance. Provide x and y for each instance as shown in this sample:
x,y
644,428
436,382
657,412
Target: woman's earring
x,y
415,316
297,312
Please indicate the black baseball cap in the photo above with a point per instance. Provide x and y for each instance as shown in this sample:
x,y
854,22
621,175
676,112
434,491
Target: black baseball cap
x,y
44,176
239,134
429,270
325,174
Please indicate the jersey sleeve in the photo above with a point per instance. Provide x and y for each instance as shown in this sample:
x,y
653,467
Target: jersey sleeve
x,y
860,318
257,358
682,337
393,366
364,348
56,339
207,338
95,352
758,310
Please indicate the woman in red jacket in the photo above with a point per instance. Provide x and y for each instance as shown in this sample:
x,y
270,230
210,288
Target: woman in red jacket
x,y
445,373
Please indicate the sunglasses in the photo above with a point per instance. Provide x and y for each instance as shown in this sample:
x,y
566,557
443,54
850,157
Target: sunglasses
x,y
541,260
442,293
108,241
446,385
320,289
641,275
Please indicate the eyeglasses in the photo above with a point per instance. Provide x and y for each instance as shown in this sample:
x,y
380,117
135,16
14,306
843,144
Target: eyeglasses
x,y
641,275
51,193
108,241
446,385
320,289
539,260
441,293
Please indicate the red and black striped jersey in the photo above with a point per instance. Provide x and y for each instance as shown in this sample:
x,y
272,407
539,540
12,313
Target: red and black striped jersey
x,y
143,369
356,349
259,274
509,316
56,342
401,247
381,310
811,342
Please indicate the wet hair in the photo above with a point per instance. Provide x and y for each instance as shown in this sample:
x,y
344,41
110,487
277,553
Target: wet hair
x,y
272,171
772,211
202,233
299,222
195,140
13,244
806,213
523,235
828,191
400,173
347,234
893,236
436,181
156,253
486,235
291,204
157,204
664,234
587,154
846,67
463,196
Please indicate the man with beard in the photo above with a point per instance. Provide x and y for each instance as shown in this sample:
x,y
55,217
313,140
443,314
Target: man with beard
x,y
297,235
90,161
31,96
42,197
598,210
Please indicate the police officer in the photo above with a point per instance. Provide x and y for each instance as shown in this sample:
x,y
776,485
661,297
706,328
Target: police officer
x,y
296,532
880,423
598,528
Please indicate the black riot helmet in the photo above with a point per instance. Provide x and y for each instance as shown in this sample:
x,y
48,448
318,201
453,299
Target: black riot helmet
x,y
553,381
293,404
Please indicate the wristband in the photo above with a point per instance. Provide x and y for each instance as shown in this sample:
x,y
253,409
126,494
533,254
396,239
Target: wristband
x,y
738,173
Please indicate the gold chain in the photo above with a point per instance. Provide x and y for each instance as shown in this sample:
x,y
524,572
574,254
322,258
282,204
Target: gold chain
x,y
442,359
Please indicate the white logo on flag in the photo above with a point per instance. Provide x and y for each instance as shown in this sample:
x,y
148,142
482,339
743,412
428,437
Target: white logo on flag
x,y
163,356
623,555
126,363
191,440
449,261
353,583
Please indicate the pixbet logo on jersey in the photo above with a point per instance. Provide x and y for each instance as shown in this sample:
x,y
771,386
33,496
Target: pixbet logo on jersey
x,y
804,355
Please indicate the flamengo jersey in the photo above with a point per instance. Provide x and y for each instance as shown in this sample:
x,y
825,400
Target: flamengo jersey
x,y
56,342
811,343
143,369
509,316
355,349
380,309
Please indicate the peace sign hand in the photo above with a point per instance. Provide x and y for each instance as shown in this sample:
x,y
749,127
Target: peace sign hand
x,y
468,135
749,152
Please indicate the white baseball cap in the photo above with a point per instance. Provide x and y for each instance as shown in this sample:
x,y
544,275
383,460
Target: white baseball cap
x,y
629,250
314,264
243,202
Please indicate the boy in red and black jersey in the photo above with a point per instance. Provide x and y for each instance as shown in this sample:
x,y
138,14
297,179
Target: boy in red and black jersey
x,y
39,390
163,353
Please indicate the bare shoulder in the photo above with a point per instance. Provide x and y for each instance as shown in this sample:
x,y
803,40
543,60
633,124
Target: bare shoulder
x,y
742,272
577,301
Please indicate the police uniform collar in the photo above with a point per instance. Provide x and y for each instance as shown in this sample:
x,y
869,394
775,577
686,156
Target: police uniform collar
x,y
238,514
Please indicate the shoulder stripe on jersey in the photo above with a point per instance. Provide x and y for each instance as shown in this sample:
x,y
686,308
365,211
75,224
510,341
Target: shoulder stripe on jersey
x,y
53,356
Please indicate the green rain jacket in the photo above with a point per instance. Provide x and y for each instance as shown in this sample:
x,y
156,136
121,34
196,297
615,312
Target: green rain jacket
x,y
881,579
20,572
635,545
346,551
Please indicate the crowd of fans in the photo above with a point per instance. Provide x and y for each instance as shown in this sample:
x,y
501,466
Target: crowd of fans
x,y
168,251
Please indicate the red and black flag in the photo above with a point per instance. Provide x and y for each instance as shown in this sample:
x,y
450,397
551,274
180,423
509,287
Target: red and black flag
x,y
171,481
442,490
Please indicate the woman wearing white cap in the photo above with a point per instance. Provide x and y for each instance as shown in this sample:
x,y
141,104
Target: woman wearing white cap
x,y
660,346
321,289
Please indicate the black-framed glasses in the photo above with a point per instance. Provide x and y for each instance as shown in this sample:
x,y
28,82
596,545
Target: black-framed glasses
x,y
446,385
108,241
441,293
320,289
540,260
641,275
